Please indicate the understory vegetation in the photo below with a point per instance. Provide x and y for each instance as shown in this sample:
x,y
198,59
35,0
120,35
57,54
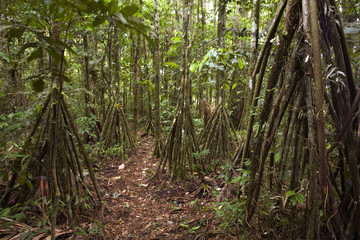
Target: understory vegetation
x,y
257,102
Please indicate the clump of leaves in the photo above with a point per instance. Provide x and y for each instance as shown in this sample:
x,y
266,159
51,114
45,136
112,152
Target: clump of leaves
x,y
87,124
94,230
232,213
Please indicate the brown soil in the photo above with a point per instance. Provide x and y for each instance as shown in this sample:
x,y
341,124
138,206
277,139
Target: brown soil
x,y
139,206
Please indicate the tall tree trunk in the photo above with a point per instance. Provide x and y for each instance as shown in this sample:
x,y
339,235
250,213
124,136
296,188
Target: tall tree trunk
x,y
255,15
86,74
260,68
157,146
136,86
319,93
220,75
117,63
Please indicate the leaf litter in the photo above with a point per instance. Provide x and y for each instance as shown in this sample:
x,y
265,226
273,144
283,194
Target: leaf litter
x,y
138,206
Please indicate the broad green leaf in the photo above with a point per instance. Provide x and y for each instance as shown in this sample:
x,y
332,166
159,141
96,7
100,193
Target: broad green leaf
x,y
5,177
241,64
5,212
195,228
5,57
38,85
233,86
171,64
22,180
98,21
300,197
54,54
142,29
193,67
101,6
293,201
60,44
212,52
34,55
26,46
66,78
176,39
29,184
120,19
113,6
290,193
14,33
129,10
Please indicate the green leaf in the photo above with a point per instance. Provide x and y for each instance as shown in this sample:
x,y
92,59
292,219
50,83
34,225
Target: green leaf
x,y
290,193
26,46
34,55
98,21
38,85
120,20
66,78
142,29
81,231
5,212
22,180
184,225
59,44
300,197
113,6
236,179
29,184
129,10
193,67
241,64
14,33
5,177
5,57
101,6
54,54
176,39
195,228
171,64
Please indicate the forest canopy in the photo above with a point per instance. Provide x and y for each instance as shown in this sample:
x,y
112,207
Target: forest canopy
x,y
256,102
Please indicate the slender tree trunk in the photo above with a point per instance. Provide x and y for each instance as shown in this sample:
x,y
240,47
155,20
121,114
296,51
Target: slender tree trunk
x,y
117,62
54,130
157,147
255,15
220,75
136,86
319,94
260,68
86,74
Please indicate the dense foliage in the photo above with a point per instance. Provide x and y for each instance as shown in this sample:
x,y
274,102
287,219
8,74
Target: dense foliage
x,y
261,95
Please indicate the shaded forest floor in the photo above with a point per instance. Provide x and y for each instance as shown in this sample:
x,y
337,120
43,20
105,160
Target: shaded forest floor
x,y
139,206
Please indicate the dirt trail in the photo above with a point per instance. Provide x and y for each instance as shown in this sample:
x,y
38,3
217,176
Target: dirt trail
x,y
140,208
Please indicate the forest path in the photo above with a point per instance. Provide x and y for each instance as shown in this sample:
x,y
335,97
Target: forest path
x,y
139,207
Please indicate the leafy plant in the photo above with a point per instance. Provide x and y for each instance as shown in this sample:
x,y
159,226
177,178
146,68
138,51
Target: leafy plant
x,y
294,197
87,124
232,213
95,229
